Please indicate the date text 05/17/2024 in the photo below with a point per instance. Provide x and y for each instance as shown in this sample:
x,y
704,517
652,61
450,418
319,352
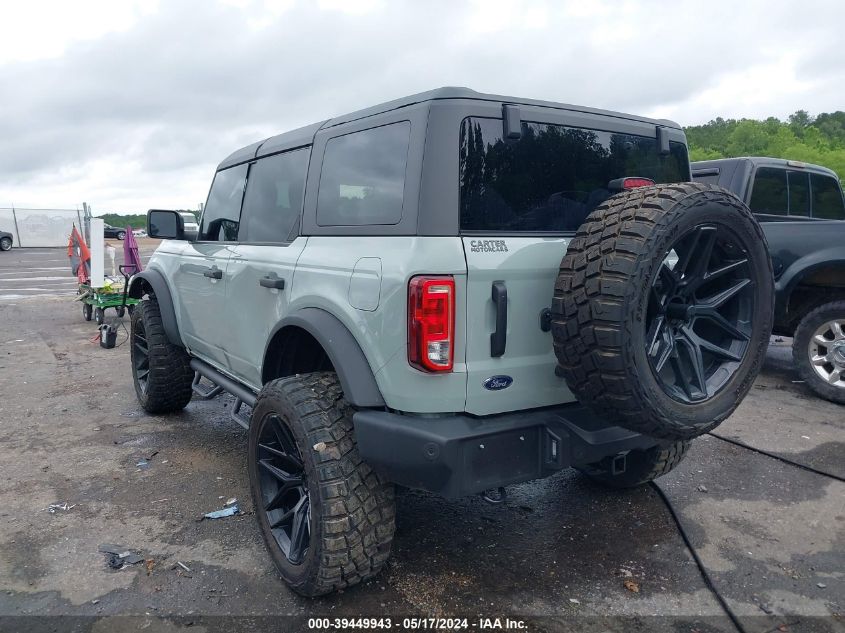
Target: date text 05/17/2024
x,y
418,624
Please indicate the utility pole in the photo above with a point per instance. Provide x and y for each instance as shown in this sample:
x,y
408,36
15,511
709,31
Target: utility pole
x,y
86,211
15,220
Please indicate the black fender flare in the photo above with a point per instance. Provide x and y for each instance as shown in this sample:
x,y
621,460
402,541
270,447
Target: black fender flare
x,y
161,290
353,369
799,270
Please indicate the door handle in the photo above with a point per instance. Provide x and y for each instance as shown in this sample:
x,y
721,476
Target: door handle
x,y
272,281
213,273
498,339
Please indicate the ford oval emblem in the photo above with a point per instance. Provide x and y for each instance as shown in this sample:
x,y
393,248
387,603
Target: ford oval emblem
x,y
497,383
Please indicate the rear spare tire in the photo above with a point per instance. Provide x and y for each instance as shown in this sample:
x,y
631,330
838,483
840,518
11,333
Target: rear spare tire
x,y
663,308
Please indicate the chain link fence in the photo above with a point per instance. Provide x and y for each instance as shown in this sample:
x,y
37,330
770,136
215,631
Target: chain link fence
x,y
41,227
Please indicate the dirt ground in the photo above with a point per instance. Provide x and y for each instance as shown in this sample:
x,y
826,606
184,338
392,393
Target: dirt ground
x,y
556,556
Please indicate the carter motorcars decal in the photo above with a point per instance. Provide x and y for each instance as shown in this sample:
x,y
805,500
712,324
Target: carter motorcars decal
x,y
488,246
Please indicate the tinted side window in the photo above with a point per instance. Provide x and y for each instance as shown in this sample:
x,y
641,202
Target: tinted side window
x,y
769,193
223,208
827,198
363,177
550,179
273,198
799,193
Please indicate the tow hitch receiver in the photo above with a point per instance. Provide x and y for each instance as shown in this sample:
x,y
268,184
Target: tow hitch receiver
x,y
617,466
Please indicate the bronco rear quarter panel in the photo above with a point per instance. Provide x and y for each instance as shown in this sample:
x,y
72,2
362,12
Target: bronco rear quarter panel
x,y
327,271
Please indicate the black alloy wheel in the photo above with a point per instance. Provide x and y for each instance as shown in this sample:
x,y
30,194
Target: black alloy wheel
x,y
284,489
140,356
700,312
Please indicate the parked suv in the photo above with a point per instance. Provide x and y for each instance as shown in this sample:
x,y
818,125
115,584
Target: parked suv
x,y
801,209
454,292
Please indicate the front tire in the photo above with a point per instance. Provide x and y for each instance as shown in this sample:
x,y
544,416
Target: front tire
x,y
663,308
641,466
121,235
161,370
818,350
5,244
326,517
87,311
99,316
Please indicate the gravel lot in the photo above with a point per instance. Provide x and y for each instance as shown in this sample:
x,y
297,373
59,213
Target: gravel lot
x,y
557,554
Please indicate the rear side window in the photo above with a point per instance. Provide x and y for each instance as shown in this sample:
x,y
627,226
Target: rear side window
x,y
769,194
223,208
799,193
273,198
551,178
363,177
827,198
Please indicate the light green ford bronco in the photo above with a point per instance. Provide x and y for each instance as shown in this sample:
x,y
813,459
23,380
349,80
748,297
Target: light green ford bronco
x,y
453,292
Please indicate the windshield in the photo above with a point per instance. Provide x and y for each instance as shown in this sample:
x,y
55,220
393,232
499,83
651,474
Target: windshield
x,y
551,178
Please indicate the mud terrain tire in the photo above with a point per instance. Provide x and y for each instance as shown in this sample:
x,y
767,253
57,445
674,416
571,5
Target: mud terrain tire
x,y
161,371
349,510
617,290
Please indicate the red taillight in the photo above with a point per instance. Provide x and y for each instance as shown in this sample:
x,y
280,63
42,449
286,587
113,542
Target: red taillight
x,y
431,323
622,184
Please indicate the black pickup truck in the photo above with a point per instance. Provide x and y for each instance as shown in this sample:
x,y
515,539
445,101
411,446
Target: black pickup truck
x,y
802,211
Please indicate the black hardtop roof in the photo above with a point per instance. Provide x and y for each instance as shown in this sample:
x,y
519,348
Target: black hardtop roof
x,y
305,135
762,161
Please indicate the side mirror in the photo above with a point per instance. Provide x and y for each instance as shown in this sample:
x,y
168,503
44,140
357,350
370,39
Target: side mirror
x,y
165,225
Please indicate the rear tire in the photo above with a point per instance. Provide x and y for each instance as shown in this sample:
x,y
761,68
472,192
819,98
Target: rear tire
x,y
807,345
121,235
641,466
5,244
99,316
665,349
161,370
347,508
87,311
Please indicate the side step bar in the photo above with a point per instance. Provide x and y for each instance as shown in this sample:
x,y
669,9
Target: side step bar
x,y
243,395
203,392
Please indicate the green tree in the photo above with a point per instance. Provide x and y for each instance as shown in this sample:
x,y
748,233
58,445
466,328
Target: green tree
x,y
819,140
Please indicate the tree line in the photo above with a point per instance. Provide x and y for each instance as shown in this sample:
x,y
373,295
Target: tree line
x,y
135,220
819,139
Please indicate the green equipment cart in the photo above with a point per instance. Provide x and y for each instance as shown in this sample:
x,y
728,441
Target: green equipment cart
x,y
95,301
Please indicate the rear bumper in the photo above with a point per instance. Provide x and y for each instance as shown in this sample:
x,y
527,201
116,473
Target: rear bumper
x,y
460,455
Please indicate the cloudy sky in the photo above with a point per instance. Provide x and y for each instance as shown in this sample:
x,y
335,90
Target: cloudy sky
x,y
129,105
